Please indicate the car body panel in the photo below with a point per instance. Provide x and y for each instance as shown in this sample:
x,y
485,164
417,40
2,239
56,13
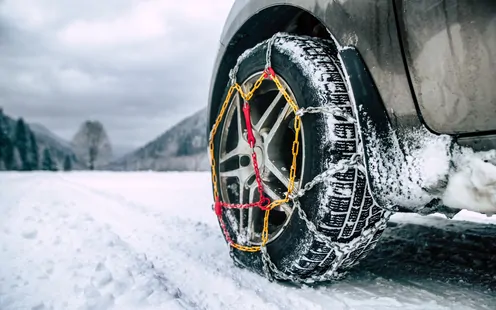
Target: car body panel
x,y
450,48
379,36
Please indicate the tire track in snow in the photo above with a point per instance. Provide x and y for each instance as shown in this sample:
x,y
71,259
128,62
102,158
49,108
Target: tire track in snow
x,y
448,251
120,273
171,241
179,259
175,292
361,279
216,259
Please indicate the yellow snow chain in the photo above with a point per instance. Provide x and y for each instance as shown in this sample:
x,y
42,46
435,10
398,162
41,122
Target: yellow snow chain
x,y
264,203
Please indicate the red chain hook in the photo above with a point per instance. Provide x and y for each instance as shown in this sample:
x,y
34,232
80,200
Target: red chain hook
x,y
269,72
251,138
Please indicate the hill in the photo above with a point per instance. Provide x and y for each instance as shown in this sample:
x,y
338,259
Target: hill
x,y
181,148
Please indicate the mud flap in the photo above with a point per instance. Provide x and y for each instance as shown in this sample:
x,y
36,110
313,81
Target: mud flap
x,y
372,117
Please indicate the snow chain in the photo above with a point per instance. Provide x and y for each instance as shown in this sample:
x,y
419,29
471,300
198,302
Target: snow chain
x,y
341,250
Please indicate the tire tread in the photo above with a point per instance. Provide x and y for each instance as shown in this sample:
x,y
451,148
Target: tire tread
x,y
344,217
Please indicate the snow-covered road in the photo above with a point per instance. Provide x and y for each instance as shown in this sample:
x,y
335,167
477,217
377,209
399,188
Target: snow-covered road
x,y
150,241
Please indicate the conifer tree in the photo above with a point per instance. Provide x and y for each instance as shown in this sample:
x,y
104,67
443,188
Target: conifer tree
x,y
4,140
47,162
16,159
8,155
34,152
67,163
22,143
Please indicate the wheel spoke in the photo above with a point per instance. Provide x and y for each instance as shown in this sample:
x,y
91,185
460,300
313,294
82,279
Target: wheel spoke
x,y
251,222
239,119
234,153
274,196
268,112
277,125
242,147
241,211
283,176
242,173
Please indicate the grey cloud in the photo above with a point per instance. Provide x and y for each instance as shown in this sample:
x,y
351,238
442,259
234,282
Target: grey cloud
x,y
136,91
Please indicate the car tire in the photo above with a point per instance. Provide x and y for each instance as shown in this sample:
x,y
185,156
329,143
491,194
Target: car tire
x,y
341,208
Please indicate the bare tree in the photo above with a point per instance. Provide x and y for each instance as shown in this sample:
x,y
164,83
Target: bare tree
x,y
91,144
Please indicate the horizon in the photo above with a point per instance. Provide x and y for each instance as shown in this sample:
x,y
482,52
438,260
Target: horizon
x,y
122,150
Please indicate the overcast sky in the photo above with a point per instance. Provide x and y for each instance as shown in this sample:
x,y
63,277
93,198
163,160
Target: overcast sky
x,y
138,66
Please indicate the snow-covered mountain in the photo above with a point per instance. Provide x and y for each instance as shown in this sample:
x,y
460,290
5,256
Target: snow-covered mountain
x,y
181,148
41,131
59,148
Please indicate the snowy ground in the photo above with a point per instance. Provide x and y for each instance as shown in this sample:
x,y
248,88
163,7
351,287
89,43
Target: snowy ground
x,y
151,241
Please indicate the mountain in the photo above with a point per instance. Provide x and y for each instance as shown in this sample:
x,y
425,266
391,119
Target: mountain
x,y
59,148
92,145
118,151
181,148
42,131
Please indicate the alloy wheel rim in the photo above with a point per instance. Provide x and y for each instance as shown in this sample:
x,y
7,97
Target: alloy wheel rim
x,y
272,121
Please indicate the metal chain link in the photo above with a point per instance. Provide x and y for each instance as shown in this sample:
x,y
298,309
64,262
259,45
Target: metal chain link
x,y
268,55
329,109
232,74
341,250
340,167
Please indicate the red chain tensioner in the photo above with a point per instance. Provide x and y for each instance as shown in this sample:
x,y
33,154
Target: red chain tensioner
x,y
269,72
264,201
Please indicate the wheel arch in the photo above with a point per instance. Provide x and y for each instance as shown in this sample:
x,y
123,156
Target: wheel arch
x,y
259,27
368,25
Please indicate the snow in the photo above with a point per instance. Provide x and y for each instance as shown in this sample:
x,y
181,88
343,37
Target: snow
x,y
430,166
473,183
102,240
407,177
286,44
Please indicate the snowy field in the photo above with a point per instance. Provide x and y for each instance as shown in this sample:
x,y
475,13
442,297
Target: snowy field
x,y
151,241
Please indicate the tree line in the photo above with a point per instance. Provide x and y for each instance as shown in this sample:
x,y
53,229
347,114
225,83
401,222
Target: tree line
x,y
19,149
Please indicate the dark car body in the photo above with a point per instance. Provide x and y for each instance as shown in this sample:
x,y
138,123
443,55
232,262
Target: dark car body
x,y
432,61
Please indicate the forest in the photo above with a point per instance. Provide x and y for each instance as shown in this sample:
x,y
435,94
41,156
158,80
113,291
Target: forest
x,y
19,149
